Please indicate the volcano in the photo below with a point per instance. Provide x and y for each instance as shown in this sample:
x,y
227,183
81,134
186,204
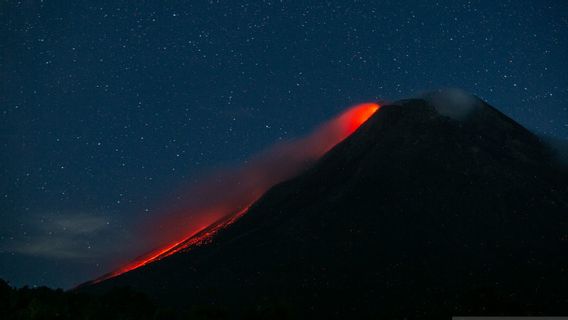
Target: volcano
x,y
435,206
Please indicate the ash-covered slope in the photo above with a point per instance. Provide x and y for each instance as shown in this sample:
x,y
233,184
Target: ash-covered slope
x,y
425,210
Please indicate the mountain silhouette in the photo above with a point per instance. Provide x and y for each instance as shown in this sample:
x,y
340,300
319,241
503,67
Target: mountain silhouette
x,y
436,206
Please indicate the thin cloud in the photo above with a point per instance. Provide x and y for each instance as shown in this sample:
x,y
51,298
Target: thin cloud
x,y
66,236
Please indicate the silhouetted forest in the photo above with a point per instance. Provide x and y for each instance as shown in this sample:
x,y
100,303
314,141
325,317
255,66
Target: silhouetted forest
x,y
119,303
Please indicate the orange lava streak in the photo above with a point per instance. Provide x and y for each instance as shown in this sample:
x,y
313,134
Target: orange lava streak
x,y
311,147
359,115
198,238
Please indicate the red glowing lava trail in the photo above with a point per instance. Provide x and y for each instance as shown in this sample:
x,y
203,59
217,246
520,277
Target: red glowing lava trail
x,y
199,238
223,199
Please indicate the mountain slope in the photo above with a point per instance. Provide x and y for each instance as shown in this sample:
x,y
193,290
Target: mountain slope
x,y
419,212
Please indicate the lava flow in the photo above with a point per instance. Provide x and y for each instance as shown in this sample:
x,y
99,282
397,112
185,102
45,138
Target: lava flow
x,y
199,238
224,198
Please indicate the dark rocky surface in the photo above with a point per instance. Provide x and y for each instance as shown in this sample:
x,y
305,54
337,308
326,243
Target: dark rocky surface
x,y
415,214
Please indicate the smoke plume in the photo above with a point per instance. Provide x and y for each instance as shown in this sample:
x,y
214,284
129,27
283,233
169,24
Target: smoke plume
x,y
232,191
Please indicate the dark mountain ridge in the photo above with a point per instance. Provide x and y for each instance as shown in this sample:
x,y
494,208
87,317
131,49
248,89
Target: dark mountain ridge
x,y
418,213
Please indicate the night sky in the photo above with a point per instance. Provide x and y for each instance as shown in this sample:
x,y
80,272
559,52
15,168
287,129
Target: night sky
x,y
110,110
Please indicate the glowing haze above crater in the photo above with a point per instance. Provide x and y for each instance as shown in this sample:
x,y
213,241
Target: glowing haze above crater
x,y
225,196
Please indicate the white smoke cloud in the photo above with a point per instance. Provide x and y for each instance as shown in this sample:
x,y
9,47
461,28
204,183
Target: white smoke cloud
x,y
454,103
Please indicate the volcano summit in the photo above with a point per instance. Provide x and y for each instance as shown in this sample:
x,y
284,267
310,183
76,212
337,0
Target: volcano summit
x,y
435,206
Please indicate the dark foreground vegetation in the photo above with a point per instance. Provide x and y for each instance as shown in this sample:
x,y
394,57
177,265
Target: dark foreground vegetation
x,y
119,303
46,303
125,303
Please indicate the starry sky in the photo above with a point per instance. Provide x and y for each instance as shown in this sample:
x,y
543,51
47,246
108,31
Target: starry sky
x,y
109,109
